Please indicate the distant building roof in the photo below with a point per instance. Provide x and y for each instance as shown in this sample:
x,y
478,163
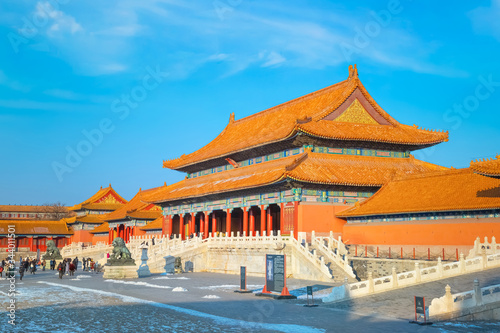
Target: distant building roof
x,y
31,227
104,199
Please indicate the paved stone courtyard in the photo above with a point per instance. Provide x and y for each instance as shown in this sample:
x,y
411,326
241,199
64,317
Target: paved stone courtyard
x,y
195,302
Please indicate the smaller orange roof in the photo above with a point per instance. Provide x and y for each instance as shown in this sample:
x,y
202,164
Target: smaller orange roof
x,y
104,199
154,225
101,229
137,207
488,167
35,227
451,190
87,218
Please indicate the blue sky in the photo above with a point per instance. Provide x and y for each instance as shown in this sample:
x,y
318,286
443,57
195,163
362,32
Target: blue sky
x,y
126,84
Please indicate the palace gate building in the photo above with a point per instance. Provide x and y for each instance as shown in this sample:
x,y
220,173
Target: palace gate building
x,y
293,167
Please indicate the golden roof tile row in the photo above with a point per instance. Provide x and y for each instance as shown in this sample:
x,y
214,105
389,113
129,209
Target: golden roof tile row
x,y
451,190
489,167
308,167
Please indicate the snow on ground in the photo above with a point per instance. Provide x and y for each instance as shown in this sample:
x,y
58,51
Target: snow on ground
x,y
231,287
179,289
51,310
210,296
145,284
171,278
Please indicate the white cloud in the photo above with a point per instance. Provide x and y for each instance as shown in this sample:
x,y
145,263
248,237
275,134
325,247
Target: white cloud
x,y
60,23
272,59
485,20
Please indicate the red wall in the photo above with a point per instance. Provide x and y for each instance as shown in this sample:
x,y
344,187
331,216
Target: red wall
x,y
320,218
436,232
83,236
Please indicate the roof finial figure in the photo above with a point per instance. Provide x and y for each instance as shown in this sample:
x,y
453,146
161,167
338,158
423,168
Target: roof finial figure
x,y
231,118
353,71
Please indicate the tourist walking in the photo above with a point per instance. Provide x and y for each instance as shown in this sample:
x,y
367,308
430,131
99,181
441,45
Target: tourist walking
x,y
32,267
52,264
60,269
21,271
43,265
75,261
1,271
84,263
67,265
72,269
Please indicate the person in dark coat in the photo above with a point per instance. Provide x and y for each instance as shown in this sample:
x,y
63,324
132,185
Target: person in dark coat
x,y
84,262
72,269
75,261
60,269
21,271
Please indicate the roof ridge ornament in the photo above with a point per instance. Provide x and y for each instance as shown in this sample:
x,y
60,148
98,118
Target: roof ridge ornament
x,y
231,118
353,71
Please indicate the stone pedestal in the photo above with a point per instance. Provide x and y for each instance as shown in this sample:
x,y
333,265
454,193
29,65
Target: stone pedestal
x,y
120,272
144,268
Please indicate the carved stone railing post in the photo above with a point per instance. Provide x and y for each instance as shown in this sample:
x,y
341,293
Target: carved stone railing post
x,y
448,298
440,269
484,258
394,278
462,263
478,294
371,285
418,276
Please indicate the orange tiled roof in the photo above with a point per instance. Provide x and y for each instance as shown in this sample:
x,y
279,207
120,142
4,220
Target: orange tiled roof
x,y
87,218
156,224
136,207
488,167
307,114
308,167
449,190
101,229
36,227
104,199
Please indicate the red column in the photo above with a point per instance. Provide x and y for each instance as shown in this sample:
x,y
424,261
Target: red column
x,y
169,225
252,222
245,221
202,223
191,224
262,219
206,221
269,221
214,223
110,236
228,222
182,229
30,243
282,216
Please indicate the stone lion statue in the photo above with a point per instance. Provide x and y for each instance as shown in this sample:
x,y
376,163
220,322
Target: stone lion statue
x,y
120,251
52,251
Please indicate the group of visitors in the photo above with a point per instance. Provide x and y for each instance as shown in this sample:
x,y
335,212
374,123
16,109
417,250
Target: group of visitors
x,y
9,269
67,266
90,265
